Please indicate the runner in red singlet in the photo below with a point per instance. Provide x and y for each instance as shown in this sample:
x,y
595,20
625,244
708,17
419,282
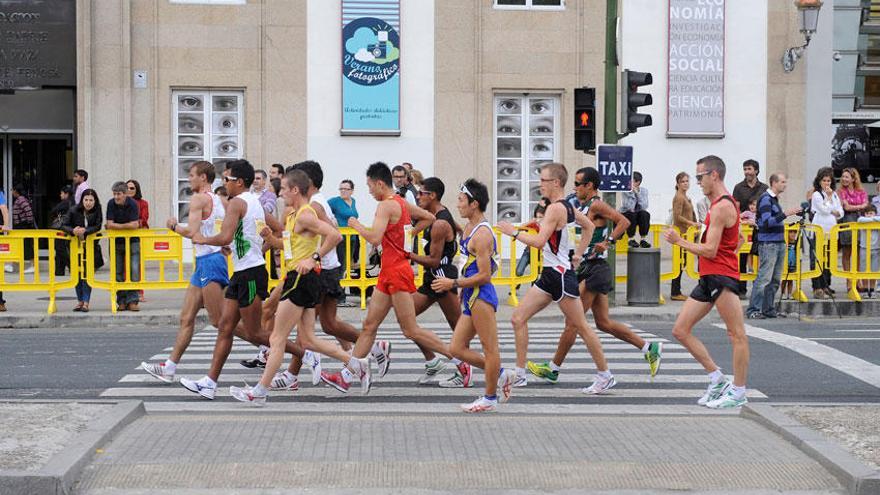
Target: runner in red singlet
x,y
396,281
718,286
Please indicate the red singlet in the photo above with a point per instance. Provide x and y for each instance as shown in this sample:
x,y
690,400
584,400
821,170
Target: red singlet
x,y
725,262
395,274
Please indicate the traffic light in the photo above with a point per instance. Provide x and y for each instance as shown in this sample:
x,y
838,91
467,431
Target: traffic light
x,y
585,119
631,100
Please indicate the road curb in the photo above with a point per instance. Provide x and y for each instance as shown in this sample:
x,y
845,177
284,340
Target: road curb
x,y
858,478
62,470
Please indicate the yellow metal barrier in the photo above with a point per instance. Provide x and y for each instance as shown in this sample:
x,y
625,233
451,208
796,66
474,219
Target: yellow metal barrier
x,y
511,279
861,258
12,250
656,231
139,248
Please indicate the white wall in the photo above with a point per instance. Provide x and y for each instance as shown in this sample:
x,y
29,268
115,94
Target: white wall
x,y
658,158
347,157
820,66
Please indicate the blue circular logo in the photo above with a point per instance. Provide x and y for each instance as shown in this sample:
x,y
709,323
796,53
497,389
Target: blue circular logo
x,y
370,51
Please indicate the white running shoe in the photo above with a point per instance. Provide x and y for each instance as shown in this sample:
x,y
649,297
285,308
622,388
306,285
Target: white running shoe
x,y
714,391
246,394
285,381
313,361
482,404
456,381
366,375
432,369
727,400
158,371
507,380
520,381
199,387
383,358
600,385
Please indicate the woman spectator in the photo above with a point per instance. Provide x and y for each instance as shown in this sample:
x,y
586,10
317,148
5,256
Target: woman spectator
x,y
59,211
344,207
683,218
854,199
134,191
280,205
826,209
84,219
23,218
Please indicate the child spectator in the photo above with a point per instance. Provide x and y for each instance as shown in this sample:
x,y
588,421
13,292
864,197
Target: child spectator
x,y
791,248
870,241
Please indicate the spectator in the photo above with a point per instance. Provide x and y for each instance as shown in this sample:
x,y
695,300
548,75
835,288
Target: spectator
x,y
635,209
133,191
59,211
415,181
123,214
280,205
7,226
23,218
344,207
683,219
401,184
749,189
80,184
224,195
260,188
772,254
826,209
82,220
702,210
870,241
408,166
853,199
276,171
750,218
876,199
791,248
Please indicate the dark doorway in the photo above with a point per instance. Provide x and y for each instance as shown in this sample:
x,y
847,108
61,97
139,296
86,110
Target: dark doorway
x,y
42,163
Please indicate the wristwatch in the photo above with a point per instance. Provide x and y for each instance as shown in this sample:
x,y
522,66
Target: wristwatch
x,y
316,256
455,284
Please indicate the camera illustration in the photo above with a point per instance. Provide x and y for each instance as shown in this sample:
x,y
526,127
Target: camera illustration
x,y
380,49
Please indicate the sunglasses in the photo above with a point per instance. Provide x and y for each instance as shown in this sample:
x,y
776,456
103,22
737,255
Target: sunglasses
x,y
579,184
424,192
229,178
463,189
699,177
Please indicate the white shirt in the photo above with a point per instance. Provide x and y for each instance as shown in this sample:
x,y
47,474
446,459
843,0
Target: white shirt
x,y
331,260
824,208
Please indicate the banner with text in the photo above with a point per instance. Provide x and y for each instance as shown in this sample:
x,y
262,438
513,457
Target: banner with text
x,y
371,67
695,99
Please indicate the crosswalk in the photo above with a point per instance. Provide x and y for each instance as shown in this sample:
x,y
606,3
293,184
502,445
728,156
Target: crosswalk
x,y
681,380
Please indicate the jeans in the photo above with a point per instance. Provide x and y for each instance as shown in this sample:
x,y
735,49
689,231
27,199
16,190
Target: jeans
x,y
83,291
128,296
772,257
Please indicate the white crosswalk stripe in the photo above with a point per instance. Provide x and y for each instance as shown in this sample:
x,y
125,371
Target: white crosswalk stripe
x,y
681,379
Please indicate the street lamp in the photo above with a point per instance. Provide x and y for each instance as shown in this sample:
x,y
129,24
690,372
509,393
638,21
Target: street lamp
x,y
808,12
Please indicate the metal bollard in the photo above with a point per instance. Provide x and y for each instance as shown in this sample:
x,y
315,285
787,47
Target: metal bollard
x,y
643,277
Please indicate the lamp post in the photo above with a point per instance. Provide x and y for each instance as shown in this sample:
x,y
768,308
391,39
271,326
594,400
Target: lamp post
x,y
808,15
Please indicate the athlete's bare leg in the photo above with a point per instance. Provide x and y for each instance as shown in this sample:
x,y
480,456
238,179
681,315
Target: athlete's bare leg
x,y
534,301
730,310
573,310
692,311
422,303
483,324
377,310
405,312
192,303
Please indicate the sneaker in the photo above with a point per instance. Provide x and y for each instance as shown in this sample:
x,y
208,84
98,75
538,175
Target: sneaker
x,y
246,394
644,244
335,380
505,382
199,387
466,372
455,381
285,381
432,369
158,371
313,361
600,385
383,360
366,376
679,297
727,400
633,244
714,391
820,294
482,404
258,362
521,381
543,371
653,356
756,316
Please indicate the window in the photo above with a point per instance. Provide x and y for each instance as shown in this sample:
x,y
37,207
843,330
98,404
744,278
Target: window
x,y
530,4
207,126
526,138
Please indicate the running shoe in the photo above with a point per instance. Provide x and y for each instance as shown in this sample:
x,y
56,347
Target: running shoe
x,y
714,391
383,359
466,372
257,362
335,380
313,361
455,381
521,381
199,387
727,400
505,382
366,375
246,394
285,381
158,371
653,356
600,385
482,404
432,368
543,371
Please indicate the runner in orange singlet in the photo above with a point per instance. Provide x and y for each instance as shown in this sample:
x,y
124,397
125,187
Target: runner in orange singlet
x,y
718,286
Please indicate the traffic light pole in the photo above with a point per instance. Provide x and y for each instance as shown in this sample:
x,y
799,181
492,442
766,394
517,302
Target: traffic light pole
x,y
610,135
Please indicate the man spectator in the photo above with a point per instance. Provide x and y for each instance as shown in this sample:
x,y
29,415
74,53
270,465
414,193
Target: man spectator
x,y
749,189
80,184
276,171
260,188
635,209
401,184
772,253
123,214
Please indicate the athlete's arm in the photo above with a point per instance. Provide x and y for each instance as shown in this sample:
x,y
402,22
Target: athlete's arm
x,y
723,215
481,246
330,237
554,215
373,235
193,219
423,218
604,210
587,229
274,224
439,234
235,211
322,215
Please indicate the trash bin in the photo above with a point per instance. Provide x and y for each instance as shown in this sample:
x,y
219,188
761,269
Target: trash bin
x,y
643,277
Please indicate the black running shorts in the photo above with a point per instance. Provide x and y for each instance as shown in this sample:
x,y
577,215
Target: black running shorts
x,y
558,285
245,286
596,274
302,290
710,287
445,271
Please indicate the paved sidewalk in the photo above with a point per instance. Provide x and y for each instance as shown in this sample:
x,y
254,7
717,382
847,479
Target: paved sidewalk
x,y
451,452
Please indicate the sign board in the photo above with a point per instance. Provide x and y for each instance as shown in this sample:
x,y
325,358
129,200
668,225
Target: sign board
x,y
37,43
615,164
695,96
371,67
855,143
